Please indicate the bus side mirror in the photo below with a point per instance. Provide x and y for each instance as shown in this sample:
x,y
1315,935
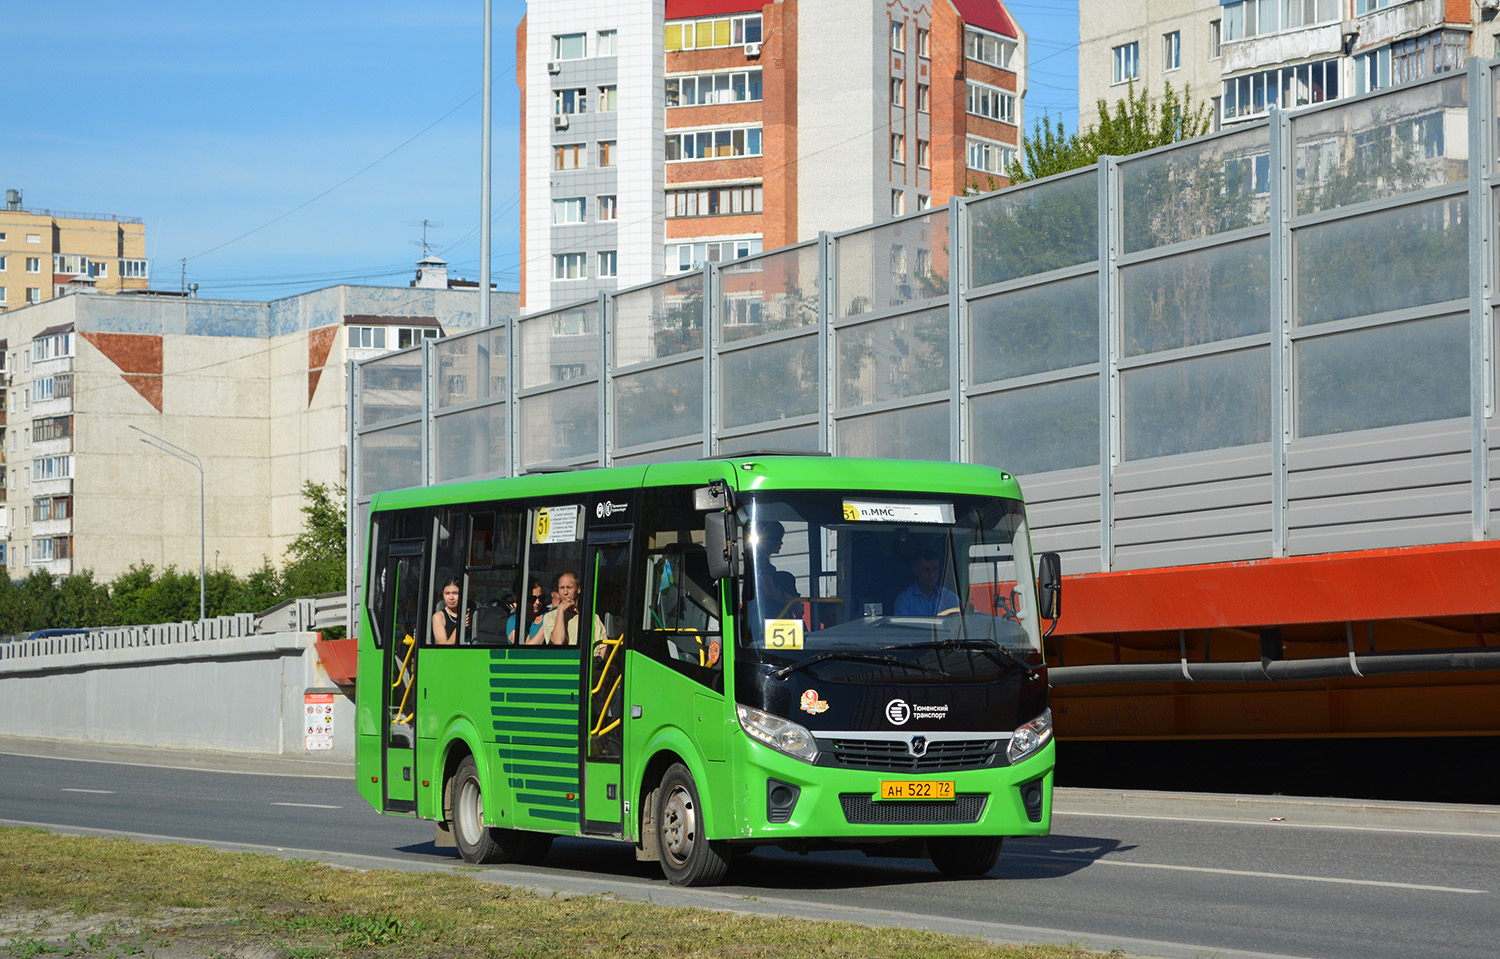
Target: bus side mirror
x,y
723,550
1049,585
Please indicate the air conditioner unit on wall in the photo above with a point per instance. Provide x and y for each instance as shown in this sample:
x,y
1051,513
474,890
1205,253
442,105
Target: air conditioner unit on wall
x,y
559,122
554,67
752,50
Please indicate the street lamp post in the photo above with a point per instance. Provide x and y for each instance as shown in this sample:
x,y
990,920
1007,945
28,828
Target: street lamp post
x,y
172,449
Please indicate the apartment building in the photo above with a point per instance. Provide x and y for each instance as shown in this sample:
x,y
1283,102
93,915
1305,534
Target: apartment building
x,y
45,252
660,135
256,391
1245,56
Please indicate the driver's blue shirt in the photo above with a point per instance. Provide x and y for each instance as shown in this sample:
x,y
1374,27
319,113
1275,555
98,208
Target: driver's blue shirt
x,y
911,602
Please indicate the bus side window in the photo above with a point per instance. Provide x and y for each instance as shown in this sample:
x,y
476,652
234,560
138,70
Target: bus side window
x,y
681,624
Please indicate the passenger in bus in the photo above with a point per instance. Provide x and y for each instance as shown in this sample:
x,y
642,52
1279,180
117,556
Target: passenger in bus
x,y
445,621
560,625
535,612
927,596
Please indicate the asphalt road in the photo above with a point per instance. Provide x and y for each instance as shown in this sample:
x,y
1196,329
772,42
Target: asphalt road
x,y
1150,874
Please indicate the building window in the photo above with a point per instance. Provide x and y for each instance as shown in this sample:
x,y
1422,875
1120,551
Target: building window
x,y
568,156
609,263
52,428
988,156
988,48
606,153
736,86
1372,71
607,97
54,467
713,32
683,257
714,201
1171,51
605,45
572,101
924,202
33,238
713,144
98,270
33,264
367,337
924,98
72,264
1253,18
898,35
133,269
1127,62
4,260
898,202
1215,39
52,347
569,210
991,103
898,92
1286,87
922,38
898,148
924,154
567,46
2,296
607,209
33,294
570,266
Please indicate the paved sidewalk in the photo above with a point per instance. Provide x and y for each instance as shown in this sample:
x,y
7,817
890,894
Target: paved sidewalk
x,y
254,763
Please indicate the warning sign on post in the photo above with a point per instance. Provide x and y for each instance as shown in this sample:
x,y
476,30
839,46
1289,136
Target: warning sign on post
x,y
318,712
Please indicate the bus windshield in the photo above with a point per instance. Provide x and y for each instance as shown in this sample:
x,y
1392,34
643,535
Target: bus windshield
x,y
873,573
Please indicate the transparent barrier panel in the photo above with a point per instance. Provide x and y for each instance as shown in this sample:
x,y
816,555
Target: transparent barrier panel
x,y
658,321
659,404
1034,229
470,367
893,358
915,433
677,454
1383,376
769,382
559,346
1037,429
767,294
470,443
1199,297
892,264
1205,403
799,438
390,459
1409,139
1196,190
1050,327
1410,256
559,426
390,388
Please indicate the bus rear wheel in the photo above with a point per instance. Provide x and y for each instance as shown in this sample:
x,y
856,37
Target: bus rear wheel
x,y
478,843
688,857
964,855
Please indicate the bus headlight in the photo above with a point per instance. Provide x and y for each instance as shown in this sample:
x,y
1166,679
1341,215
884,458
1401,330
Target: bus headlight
x,y
782,735
1029,738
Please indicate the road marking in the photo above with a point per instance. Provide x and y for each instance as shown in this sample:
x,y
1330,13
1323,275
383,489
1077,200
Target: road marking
x,y
101,792
1250,873
306,805
1452,833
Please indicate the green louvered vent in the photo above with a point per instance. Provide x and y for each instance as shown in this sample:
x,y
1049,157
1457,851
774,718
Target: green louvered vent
x,y
536,724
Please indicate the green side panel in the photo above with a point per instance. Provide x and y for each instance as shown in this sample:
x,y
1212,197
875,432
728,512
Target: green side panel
x,y
533,711
400,774
670,711
600,777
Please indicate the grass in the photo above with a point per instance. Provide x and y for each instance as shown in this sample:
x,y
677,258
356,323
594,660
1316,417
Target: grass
x,y
109,898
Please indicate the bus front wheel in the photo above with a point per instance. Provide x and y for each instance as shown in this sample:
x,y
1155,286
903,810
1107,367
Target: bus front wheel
x,y
688,857
478,843
964,855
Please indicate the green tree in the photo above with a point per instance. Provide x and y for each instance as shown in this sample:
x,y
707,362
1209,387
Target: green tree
x,y
81,601
316,558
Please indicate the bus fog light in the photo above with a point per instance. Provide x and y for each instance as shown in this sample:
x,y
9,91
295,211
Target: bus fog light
x,y
1029,738
782,735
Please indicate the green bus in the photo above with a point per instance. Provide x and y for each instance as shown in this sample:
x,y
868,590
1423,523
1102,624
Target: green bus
x,y
695,658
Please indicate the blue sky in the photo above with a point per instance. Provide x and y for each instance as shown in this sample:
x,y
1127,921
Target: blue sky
x,y
280,147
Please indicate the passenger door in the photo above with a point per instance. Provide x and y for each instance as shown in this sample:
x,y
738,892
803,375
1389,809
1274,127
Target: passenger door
x,y
405,571
606,593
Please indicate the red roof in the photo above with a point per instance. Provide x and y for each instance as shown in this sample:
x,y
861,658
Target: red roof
x,y
692,9
986,15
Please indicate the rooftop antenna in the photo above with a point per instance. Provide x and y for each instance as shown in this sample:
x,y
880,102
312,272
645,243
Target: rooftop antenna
x,y
427,247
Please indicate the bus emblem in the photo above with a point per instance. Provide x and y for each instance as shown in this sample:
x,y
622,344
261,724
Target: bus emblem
x,y
918,746
811,704
897,712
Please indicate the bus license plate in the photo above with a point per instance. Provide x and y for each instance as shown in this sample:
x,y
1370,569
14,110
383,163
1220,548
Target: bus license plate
x,y
916,789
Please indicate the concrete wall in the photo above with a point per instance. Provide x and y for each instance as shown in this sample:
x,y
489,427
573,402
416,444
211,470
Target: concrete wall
x,y
242,695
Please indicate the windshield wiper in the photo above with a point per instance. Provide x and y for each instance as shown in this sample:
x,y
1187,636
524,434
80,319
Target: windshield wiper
x,y
982,644
790,668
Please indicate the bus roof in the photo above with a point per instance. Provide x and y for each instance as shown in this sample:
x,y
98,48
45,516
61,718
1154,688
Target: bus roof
x,y
751,471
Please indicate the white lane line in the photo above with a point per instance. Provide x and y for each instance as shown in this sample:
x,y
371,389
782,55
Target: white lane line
x,y
306,805
1247,872
100,792
1282,825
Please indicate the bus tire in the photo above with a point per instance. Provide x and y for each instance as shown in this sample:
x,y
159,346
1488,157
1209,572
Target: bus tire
x,y
964,855
478,843
688,857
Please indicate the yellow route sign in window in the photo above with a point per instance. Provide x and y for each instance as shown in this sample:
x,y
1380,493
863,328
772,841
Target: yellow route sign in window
x,y
783,634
